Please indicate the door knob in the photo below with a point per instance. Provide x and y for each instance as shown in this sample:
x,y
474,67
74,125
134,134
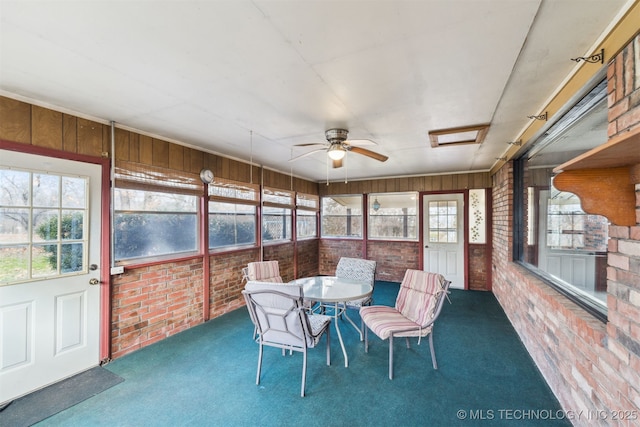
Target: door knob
x,y
94,281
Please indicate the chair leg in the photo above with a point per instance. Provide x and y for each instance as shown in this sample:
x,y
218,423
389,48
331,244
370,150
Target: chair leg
x,y
259,365
366,338
433,353
304,371
390,357
328,345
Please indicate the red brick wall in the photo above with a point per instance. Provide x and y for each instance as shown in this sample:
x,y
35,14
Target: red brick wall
x,y
393,257
331,250
283,253
478,277
225,280
308,257
590,366
152,303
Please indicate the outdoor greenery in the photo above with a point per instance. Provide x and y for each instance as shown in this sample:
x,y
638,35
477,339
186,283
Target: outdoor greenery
x,y
71,254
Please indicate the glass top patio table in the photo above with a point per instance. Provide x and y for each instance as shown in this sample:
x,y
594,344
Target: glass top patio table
x,y
336,290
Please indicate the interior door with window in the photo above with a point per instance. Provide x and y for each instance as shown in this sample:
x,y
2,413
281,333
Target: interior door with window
x,y
444,236
49,270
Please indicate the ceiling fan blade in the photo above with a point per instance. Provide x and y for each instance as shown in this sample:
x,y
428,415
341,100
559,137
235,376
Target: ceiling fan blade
x,y
307,154
321,144
337,163
360,142
369,153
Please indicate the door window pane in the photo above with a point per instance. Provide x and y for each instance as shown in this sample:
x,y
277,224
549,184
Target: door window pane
x,y
41,233
443,221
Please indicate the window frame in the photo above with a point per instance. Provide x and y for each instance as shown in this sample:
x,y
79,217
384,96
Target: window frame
x,y
306,203
146,259
275,198
360,215
148,178
235,193
520,169
371,212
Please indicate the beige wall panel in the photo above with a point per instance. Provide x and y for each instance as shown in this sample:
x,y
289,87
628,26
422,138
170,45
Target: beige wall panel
x,y
121,144
46,128
176,157
15,121
196,161
134,147
106,140
89,137
160,153
69,133
463,181
146,150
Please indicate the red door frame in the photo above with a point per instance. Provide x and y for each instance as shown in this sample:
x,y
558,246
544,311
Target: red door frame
x,y
105,230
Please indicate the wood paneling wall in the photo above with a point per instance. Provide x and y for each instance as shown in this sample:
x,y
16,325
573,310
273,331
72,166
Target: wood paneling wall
x,y
38,126
418,183
41,127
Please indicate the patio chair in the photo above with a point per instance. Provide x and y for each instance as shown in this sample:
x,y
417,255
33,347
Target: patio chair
x,y
363,270
417,307
264,271
277,312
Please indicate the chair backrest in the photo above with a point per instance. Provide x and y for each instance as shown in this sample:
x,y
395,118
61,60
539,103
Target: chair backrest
x,y
357,269
264,271
278,314
420,294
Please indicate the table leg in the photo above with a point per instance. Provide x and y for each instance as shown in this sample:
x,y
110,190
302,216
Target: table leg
x,y
353,323
336,315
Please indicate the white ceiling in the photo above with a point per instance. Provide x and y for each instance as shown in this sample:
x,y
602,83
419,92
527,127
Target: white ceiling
x,y
250,79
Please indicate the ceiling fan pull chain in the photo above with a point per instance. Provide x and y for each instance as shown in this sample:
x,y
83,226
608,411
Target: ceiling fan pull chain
x,y
346,167
327,171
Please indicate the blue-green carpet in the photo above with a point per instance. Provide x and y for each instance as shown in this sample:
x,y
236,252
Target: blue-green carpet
x,y
205,376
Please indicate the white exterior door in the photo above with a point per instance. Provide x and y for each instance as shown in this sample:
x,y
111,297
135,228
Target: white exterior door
x,y
49,252
444,236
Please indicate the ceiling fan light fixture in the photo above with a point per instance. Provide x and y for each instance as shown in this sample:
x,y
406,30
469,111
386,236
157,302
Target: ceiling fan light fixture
x,y
336,152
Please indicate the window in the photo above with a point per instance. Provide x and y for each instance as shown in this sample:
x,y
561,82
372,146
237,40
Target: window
x,y
156,212
393,216
277,208
307,207
555,237
152,224
42,219
232,214
231,224
342,216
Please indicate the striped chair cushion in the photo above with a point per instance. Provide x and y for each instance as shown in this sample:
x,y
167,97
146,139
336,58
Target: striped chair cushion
x,y
384,321
415,307
416,299
265,271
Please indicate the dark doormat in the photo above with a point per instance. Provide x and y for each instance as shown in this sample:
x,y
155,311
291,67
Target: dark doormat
x,y
57,397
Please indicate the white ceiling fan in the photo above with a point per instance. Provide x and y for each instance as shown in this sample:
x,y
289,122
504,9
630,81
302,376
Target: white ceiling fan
x,y
337,147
